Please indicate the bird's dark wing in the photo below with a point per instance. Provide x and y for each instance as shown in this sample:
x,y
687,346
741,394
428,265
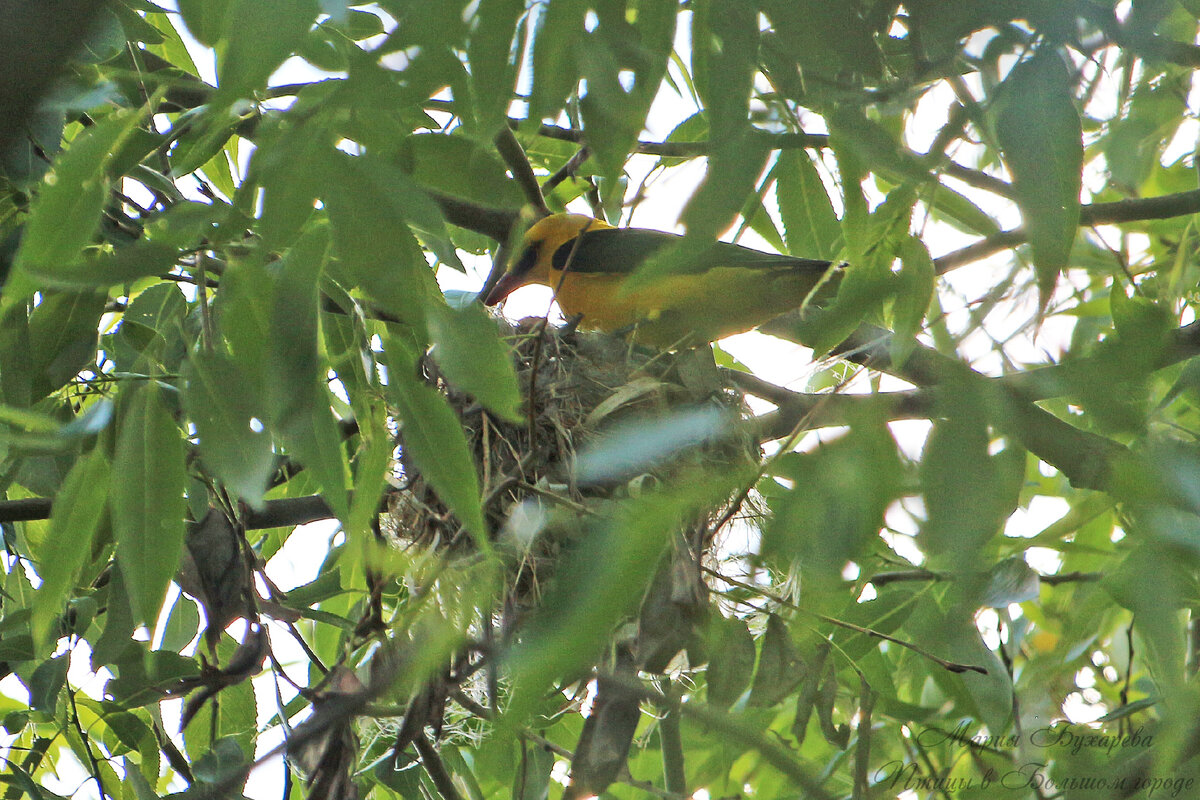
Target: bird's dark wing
x,y
623,250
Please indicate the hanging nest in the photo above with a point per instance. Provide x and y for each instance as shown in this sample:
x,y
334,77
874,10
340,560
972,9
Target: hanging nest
x,y
603,421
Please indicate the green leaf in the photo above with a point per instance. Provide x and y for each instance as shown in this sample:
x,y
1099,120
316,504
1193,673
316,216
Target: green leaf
x,y
1039,130
257,36
402,774
968,492
1010,581
62,338
726,38
809,221
434,440
731,662
391,269
824,39
947,204
16,373
288,193
23,781
468,349
100,269
914,292
47,681
777,674
835,510
555,75
602,581
460,166
299,402
229,421
532,779
622,80
146,491
489,52
224,761
116,638
74,519
183,625
150,336
144,675
66,212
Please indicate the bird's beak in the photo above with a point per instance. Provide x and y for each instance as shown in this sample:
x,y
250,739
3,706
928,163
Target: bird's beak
x,y
502,289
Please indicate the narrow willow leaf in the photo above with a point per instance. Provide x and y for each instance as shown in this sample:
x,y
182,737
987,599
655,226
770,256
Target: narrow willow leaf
x,y
300,403
731,663
148,506
913,293
258,35
489,51
1010,581
1038,128
66,212
233,445
468,349
560,26
809,221
74,519
434,439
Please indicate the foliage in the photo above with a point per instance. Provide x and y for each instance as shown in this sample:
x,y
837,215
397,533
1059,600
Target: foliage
x,y
972,558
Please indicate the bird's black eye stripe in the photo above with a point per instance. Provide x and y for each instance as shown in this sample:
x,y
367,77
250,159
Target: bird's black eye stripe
x,y
526,262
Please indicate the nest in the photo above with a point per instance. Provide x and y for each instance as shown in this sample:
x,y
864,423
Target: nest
x,y
581,388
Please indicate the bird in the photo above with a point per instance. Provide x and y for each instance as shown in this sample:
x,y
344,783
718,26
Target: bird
x,y
722,290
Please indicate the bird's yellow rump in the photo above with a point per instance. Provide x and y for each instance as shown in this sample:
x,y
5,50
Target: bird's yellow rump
x,y
725,289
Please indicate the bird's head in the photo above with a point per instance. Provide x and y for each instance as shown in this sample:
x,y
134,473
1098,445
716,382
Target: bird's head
x,y
536,257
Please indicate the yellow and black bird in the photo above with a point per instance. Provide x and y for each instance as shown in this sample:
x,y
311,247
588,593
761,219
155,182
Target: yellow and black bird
x,y
725,289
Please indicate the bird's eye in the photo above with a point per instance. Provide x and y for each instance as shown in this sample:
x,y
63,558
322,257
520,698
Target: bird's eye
x,y
526,261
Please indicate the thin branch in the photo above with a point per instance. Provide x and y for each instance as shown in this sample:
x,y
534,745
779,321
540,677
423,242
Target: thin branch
x,y
900,576
518,163
951,666
777,141
810,411
25,509
977,251
1141,208
1147,44
1071,577
566,170
95,765
1131,210
976,178
1088,460
493,222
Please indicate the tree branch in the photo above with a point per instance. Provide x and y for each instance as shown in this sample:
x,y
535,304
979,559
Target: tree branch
x,y
514,156
1132,210
275,513
493,222
776,141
